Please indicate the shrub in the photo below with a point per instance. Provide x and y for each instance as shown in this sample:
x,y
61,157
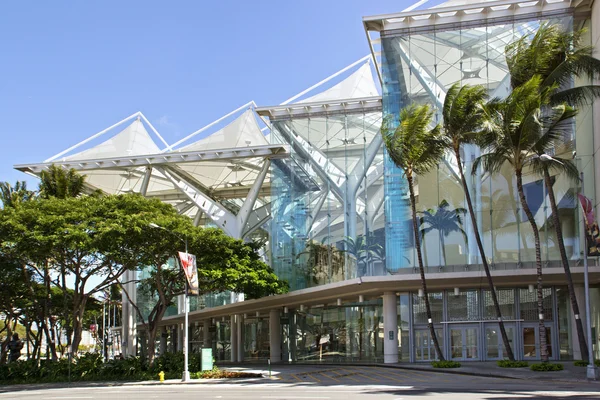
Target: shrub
x,y
445,364
546,366
581,363
217,373
512,364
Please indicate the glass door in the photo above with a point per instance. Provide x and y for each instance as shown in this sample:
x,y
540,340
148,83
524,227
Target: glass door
x,y
494,346
464,343
424,347
531,342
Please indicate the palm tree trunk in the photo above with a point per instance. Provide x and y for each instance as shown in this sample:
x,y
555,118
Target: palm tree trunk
x,y
563,255
486,267
538,263
421,269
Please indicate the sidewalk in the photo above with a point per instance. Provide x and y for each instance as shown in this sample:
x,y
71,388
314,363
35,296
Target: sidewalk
x,y
571,373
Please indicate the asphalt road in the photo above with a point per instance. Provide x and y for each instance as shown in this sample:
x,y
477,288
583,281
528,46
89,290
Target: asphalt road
x,y
327,383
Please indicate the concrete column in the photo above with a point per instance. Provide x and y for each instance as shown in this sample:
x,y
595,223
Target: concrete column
x,y
240,338
233,338
163,340
390,327
275,336
206,334
580,295
129,342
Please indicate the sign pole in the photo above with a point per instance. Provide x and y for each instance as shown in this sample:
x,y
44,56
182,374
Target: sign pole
x,y
591,368
186,372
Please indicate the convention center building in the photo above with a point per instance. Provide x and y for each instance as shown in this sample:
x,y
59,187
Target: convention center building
x,y
311,179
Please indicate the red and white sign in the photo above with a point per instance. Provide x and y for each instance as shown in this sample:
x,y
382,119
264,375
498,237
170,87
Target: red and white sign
x,y
188,263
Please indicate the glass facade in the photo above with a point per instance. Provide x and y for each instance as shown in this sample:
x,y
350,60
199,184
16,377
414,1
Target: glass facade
x,y
340,210
327,215
419,67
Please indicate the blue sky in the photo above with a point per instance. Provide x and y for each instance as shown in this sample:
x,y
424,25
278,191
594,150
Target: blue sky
x,y
71,69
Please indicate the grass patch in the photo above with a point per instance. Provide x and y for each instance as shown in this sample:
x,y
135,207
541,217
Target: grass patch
x,y
546,366
445,364
581,363
512,364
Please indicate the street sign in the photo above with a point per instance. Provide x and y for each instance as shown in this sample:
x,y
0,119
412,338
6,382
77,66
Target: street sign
x,y
207,359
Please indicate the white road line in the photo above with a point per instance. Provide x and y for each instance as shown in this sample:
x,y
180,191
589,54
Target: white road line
x,y
292,397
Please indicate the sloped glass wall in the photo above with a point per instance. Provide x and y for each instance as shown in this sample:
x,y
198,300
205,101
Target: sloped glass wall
x,y
419,67
327,199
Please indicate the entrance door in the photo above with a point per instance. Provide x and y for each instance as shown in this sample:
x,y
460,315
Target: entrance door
x,y
494,346
464,343
531,342
424,347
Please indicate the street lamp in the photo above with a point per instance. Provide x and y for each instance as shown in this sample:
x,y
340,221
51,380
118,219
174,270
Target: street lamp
x,y
186,372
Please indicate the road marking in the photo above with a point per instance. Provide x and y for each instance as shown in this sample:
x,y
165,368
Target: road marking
x,y
292,397
69,397
347,376
364,376
313,377
389,376
330,377
298,379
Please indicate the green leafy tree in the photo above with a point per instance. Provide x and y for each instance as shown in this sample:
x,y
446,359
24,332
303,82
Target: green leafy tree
x,y
12,196
516,127
224,264
61,183
416,148
82,237
557,56
463,116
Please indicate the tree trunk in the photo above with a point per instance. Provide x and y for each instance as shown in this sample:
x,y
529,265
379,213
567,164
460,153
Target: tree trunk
x,y
421,269
565,262
78,311
538,263
46,315
151,343
486,267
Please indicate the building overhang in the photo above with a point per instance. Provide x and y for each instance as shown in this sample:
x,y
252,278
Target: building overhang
x,y
466,14
316,109
272,151
375,286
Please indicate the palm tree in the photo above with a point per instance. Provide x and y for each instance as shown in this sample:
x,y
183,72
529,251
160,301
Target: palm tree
x,y
12,196
558,56
463,116
416,148
444,221
60,183
515,129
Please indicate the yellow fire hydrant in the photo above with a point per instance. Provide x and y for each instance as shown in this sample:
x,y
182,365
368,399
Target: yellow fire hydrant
x,y
161,376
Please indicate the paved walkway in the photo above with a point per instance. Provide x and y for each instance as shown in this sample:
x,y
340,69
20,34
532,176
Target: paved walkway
x,y
301,372
571,373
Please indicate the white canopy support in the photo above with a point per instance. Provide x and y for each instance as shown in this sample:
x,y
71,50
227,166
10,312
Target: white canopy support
x,y
102,132
191,135
366,58
213,210
154,129
146,181
248,205
257,218
266,151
